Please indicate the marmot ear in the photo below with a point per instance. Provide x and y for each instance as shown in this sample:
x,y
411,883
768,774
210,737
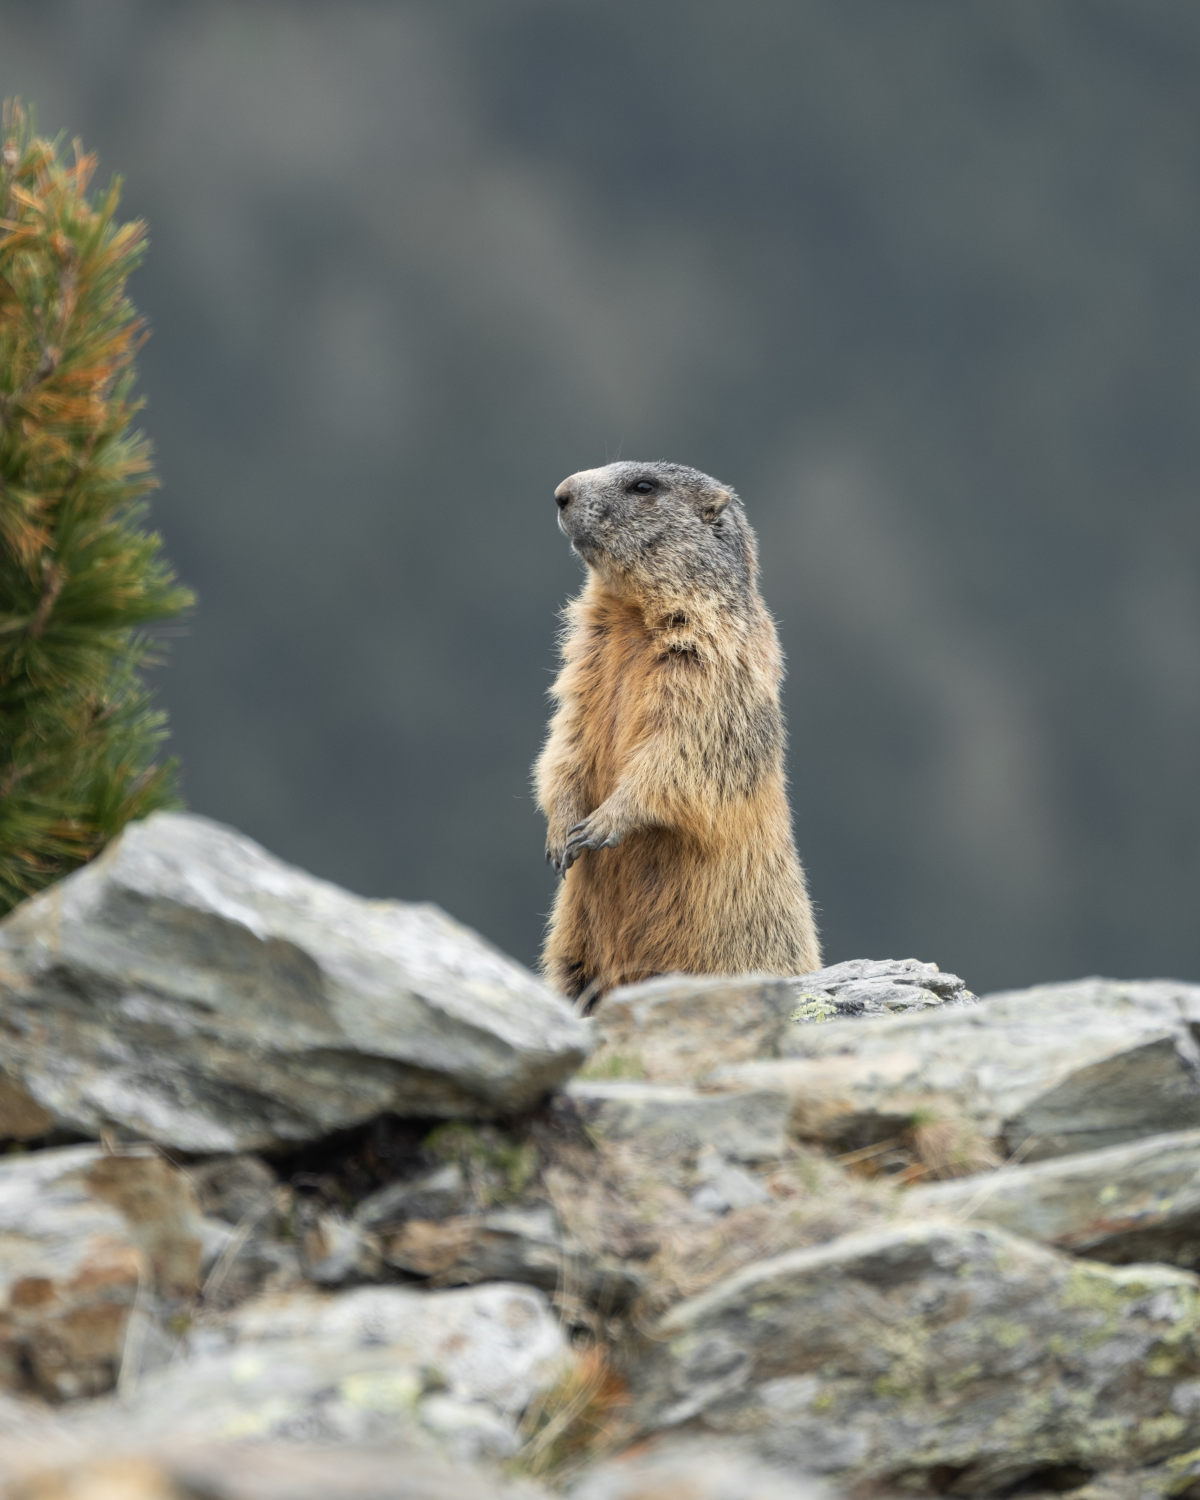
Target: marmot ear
x,y
714,503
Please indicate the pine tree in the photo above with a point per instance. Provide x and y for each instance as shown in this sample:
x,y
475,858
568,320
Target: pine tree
x,y
80,577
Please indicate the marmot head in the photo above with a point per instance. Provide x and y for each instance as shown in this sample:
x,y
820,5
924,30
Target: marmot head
x,y
658,527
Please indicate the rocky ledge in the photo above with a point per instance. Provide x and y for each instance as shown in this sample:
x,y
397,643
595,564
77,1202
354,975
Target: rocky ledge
x,y
305,1194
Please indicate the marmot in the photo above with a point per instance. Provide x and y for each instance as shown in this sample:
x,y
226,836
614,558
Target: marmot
x,y
664,757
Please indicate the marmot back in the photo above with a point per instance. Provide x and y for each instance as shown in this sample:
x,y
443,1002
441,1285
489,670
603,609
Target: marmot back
x,y
662,774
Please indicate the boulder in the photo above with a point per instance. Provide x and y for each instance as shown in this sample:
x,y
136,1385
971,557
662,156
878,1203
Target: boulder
x,y
527,1245
250,1243
673,1029
694,1469
188,988
365,1365
949,1357
85,1238
1136,1201
1041,1072
187,1470
669,1120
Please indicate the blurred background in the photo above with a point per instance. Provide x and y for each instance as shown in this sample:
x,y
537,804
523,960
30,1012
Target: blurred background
x,y
921,281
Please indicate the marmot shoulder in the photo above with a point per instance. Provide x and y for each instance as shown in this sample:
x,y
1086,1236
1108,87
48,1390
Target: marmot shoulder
x,y
662,777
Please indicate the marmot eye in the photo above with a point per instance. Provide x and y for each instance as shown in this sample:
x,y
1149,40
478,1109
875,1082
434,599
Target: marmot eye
x,y
643,486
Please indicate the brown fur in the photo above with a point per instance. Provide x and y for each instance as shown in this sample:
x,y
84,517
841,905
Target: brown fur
x,y
662,774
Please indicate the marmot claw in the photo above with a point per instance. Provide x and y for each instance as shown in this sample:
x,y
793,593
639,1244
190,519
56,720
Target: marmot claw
x,y
590,834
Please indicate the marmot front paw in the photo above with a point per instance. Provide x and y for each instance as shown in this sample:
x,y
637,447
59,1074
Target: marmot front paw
x,y
600,831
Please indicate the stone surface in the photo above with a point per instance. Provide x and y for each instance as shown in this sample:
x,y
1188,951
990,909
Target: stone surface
x,y
236,1189
950,1357
249,1241
694,1469
355,1367
1136,1201
1042,1072
721,1187
85,1237
335,1250
183,1470
761,1310
673,1029
510,1244
668,1120
875,987
189,988
436,1194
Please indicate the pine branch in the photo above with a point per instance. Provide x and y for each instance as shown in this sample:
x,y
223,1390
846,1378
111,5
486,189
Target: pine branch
x,y
80,578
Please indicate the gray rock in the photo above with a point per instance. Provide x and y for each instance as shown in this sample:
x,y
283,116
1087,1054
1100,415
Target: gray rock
x,y
433,1195
1042,1072
245,1261
188,988
85,1239
236,1189
1136,1201
523,1244
673,1029
470,1431
722,1187
166,1469
668,1120
249,1244
335,1250
875,987
350,1367
694,1469
940,1356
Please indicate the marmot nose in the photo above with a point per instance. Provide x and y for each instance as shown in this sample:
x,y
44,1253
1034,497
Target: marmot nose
x,y
563,494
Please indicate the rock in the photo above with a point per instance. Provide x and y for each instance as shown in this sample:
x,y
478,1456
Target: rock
x,y
722,1188
673,1029
84,1238
470,1431
1136,1201
249,1241
952,1357
1144,1484
668,1120
1042,1072
187,1470
526,1245
237,1189
875,987
437,1194
188,988
335,1250
353,1367
693,1469
245,1262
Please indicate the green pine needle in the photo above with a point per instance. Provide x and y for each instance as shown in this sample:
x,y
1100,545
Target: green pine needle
x,y
80,578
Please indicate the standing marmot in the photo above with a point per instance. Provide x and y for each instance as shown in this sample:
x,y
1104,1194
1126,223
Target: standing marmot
x,y
667,741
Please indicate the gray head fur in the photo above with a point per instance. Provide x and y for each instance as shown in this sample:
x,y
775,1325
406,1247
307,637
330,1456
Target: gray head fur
x,y
660,528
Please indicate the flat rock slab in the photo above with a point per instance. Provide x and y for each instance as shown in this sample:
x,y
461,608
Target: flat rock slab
x,y
1136,1201
84,1237
1041,1072
185,1470
875,987
675,1028
369,1365
188,988
526,1245
668,1120
952,1357
694,1469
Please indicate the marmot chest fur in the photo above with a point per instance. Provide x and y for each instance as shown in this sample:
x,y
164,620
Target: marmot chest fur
x,y
662,773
